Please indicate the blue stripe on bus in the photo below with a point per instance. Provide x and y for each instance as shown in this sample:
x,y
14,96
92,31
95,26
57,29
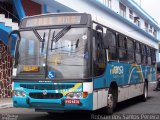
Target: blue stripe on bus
x,y
124,74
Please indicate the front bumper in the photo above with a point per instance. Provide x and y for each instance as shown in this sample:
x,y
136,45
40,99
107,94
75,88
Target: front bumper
x,y
50,103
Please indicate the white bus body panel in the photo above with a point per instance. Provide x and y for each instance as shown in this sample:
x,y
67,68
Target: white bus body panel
x,y
100,98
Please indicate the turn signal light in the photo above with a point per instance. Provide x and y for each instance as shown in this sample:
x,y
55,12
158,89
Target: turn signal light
x,y
85,94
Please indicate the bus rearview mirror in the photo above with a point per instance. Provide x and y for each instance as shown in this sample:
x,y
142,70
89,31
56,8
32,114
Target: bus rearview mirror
x,y
12,36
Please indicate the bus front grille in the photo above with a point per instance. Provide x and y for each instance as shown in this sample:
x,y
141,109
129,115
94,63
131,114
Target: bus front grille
x,y
45,86
46,96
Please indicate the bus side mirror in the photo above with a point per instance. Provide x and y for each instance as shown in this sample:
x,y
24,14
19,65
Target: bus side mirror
x,y
100,28
13,35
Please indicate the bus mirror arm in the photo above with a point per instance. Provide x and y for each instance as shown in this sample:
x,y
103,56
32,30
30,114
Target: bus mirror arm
x,y
10,39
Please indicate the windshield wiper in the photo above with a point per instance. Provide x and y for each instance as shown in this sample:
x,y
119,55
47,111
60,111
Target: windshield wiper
x,y
59,35
77,43
43,41
52,40
37,34
62,33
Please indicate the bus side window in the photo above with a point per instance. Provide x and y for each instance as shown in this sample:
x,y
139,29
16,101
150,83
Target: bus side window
x,y
122,48
153,56
138,53
146,55
149,55
143,54
110,37
130,49
99,55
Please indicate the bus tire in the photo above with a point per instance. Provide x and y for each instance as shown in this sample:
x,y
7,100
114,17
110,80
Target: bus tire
x,y
145,92
111,102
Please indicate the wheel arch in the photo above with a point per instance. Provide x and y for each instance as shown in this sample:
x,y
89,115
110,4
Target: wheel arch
x,y
114,85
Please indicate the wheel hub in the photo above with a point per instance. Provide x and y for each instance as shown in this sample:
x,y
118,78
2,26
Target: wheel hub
x,y
110,101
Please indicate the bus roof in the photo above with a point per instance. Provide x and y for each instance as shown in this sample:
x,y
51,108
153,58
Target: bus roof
x,y
62,13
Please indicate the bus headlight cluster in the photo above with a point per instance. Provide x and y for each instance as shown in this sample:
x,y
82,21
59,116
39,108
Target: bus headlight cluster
x,y
74,95
77,95
19,93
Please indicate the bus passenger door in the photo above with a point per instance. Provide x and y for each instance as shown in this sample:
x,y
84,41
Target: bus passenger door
x,y
99,57
99,65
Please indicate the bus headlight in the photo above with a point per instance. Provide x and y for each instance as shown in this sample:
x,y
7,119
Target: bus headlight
x,y
23,94
77,95
16,93
74,95
19,93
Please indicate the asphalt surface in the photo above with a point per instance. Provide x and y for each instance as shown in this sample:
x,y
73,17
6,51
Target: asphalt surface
x,y
130,109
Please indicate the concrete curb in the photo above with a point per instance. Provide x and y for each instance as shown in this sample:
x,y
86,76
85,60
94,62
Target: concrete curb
x,y
6,105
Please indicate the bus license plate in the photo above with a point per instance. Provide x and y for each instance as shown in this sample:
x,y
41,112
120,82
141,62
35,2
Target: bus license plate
x,y
72,101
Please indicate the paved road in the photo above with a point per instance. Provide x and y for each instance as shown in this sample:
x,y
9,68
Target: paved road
x,y
134,106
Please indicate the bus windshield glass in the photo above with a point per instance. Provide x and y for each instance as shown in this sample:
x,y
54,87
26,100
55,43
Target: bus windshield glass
x,y
53,53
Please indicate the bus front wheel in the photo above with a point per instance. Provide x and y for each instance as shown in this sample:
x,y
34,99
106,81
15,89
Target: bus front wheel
x,y
111,102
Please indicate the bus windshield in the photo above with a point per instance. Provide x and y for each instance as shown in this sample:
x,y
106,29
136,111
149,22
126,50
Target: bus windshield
x,y
55,53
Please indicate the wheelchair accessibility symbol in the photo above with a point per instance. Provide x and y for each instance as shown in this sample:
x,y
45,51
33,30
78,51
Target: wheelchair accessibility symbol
x,y
51,74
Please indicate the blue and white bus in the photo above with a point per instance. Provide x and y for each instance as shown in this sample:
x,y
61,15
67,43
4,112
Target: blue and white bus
x,y
76,61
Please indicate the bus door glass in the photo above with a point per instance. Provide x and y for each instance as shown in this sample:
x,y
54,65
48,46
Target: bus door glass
x,y
99,55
